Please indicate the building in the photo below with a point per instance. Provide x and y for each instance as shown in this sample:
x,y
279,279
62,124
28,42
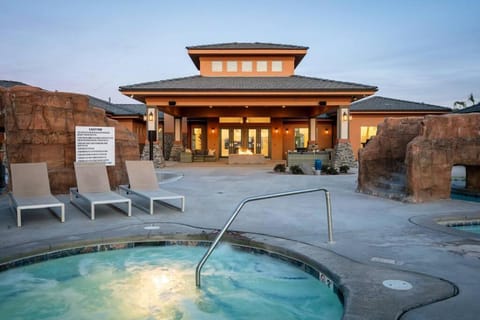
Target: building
x,y
131,116
366,114
247,98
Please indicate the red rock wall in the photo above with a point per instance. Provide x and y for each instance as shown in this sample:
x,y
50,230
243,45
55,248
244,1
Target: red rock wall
x,y
424,150
384,155
40,126
444,141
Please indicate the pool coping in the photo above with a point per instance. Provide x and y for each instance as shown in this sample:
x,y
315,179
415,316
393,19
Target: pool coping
x,y
361,285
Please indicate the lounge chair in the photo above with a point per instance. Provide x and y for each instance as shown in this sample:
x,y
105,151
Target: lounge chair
x,y
143,183
31,189
94,187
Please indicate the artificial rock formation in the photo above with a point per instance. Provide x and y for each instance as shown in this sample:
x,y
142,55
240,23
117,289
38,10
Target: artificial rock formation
x,y
40,127
411,158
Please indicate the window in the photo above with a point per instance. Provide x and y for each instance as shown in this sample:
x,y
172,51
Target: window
x,y
258,120
261,66
301,138
366,133
247,66
217,66
230,120
231,66
277,66
197,139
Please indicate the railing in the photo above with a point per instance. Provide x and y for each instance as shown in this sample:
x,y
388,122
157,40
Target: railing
x,y
198,270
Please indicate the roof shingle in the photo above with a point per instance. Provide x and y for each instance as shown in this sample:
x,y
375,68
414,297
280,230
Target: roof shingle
x,y
377,103
246,46
292,83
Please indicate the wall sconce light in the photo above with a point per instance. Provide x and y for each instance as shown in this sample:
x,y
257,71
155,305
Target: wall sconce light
x,y
326,130
345,116
212,130
286,131
150,116
276,130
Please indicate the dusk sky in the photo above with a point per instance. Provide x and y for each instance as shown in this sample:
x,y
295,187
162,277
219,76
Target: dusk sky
x,y
421,50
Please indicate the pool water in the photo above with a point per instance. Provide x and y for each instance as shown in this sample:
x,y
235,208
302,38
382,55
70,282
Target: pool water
x,y
475,228
158,283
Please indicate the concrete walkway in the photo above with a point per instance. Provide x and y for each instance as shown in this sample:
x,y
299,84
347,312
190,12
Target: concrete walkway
x,y
375,239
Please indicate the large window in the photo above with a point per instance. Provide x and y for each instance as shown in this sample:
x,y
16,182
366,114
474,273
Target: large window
x,y
197,139
366,133
301,138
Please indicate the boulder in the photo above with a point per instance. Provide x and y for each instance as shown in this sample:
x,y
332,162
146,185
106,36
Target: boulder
x,y
411,158
40,127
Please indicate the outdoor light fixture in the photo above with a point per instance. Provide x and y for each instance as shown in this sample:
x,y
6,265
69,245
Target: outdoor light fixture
x,y
326,130
213,130
345,116
286,131
150,116
276,130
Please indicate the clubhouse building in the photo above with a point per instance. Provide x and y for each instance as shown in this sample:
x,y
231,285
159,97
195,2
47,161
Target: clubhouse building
x,y
248,99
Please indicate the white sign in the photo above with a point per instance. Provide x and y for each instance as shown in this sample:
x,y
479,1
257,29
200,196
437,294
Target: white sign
x,y
95,144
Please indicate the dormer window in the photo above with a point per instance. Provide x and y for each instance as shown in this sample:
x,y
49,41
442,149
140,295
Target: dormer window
x,y
277,66
217,66
232,66
261,66
247,66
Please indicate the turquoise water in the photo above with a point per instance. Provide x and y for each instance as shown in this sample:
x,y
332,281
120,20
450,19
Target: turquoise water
x,y
473,228
158,283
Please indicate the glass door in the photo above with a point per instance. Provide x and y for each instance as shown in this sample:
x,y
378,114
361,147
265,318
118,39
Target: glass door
x,y
259,141
230,141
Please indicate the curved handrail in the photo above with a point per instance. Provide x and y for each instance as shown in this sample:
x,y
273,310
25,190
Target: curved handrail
x,y
256,198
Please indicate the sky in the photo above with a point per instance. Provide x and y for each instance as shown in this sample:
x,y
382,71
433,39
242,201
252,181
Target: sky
x,y
417,50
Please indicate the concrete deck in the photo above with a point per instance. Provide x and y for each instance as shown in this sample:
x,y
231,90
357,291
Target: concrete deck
x,y
375,239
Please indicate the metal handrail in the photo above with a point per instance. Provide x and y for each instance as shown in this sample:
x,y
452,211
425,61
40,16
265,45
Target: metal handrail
x,y
262,197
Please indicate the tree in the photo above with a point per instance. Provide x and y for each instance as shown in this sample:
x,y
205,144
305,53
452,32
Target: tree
x,y
463,104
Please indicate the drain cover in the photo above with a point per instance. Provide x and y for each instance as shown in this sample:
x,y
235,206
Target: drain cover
x,y
397,284
151,228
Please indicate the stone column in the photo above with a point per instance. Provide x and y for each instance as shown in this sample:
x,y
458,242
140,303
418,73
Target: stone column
x,y
177,147
312,139
343,153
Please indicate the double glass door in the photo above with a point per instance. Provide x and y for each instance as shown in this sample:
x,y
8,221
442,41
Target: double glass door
x,y
255,140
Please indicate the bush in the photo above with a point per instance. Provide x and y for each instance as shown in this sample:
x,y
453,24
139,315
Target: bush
x,y
344,169
280,168
326,169
296,170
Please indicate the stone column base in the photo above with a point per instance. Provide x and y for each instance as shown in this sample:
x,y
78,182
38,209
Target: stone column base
x,y
343,155
158,160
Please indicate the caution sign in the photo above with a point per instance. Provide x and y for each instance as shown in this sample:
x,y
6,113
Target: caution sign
x,y
95,144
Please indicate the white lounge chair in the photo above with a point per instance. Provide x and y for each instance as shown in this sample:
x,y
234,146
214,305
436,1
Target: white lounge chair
x,y
31,189
94,187
143,183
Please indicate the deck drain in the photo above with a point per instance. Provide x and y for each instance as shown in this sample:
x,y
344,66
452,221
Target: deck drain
x,y
397,284
151,227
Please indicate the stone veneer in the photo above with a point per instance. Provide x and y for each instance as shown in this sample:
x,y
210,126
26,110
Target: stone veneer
x,y
343,155
40,127
411,158
158,160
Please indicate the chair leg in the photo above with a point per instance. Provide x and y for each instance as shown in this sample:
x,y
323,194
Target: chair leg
x,y
92,211
62,208
151,206
19,217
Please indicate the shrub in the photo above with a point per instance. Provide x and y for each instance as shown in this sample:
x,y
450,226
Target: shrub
x,y
344,169
280,167
296,170
326,169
